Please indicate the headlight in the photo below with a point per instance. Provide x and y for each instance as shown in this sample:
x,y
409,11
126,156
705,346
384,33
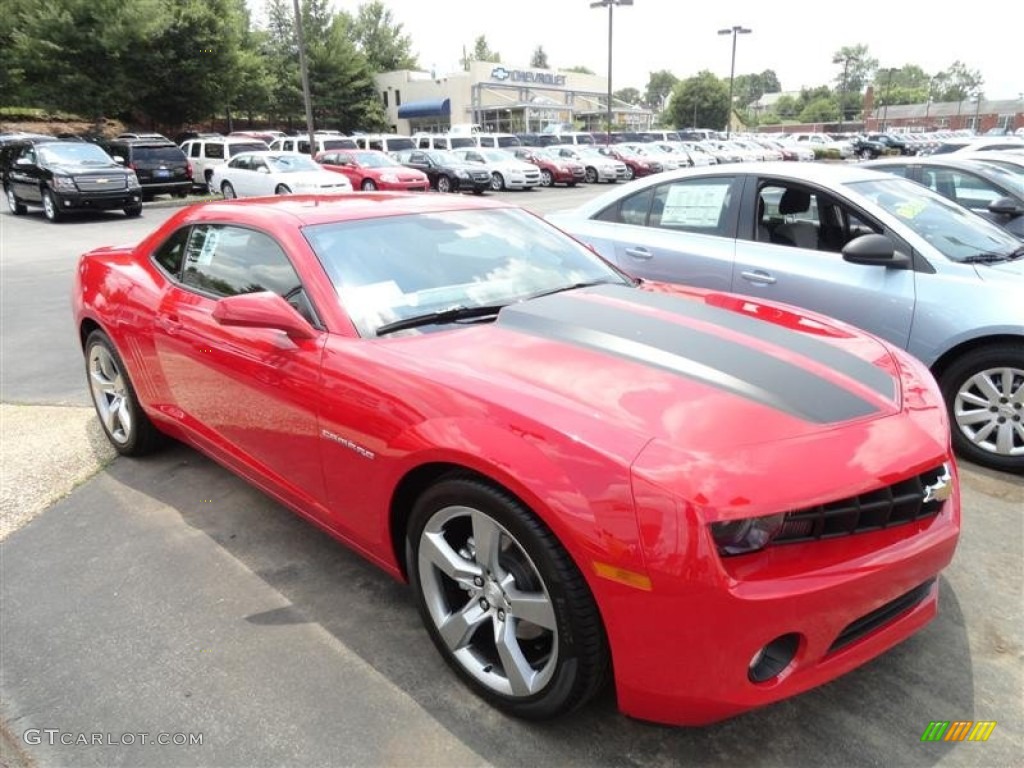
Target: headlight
x,y
738,537
63,184
133,181
388,178
462,174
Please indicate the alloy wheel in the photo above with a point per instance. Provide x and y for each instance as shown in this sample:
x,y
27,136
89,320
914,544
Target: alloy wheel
x,y
110,394
989,410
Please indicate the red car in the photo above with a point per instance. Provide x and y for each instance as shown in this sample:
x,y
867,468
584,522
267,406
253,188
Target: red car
x,y
637,165
553,169
717,501
370,170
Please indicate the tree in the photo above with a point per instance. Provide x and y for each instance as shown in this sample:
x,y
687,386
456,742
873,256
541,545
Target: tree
x,y
482,51
957,83
628,95
908,84
380,39
539,58
749,88
659,88
824,110
578,69
856,68
700,101
786,109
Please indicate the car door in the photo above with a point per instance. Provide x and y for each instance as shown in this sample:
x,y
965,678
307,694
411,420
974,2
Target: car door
x,y
680,231
248,393
25,175
789,250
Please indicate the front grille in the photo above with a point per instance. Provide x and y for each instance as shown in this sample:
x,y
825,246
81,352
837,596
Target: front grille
x,y
872,621
912,499
101,183
482,176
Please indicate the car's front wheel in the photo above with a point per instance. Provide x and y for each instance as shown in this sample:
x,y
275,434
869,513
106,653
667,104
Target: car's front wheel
x,y
984,392
630,172
546,179
502,601
444,184
591,176
368,185
51,209
124,422
497,182
228,191
17,208
281,189
133,211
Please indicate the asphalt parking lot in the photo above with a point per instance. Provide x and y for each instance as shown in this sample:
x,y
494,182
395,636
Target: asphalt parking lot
x,y
168,598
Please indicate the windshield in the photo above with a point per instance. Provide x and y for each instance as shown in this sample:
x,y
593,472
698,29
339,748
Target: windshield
x,y
374,160
463,141
237,149
74,152
444,157
289,163
497,155
954,231
398,267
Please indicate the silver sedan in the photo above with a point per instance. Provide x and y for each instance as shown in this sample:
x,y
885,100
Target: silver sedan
x,y
879,252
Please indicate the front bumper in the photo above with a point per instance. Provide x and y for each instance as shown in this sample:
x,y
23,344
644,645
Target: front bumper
x,y
67,201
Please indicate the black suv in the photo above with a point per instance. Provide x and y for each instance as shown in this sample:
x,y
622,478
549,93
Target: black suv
x,y
64,175
162,167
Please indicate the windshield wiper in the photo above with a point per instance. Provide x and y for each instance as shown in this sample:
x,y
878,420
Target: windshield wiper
x,y
573,287
450,315
992,258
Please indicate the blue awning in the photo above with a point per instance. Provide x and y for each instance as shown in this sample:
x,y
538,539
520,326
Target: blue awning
x,y
429,108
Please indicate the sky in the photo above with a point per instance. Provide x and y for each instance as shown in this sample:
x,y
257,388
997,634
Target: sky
x,y
797,40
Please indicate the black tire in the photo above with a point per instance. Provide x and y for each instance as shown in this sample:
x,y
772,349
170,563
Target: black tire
x,y
13,204
497,182
368,185
591,177
570,183
564,665
477,191
228,191
133,211
444,184
208,177
51,206
630,172
986,414
866,154
546,179
181,193
124,422
282,189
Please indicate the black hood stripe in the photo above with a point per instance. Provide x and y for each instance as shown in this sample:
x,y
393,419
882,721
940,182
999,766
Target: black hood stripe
x,y
689,352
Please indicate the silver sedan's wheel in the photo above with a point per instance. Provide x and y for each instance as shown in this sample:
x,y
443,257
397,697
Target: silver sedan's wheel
x,y
984,391
228,191
498,595
497,182
125,424
444,184
546,178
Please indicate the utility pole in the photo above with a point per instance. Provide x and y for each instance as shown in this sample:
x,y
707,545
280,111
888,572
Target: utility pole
x,y
734,31
305,78
610,4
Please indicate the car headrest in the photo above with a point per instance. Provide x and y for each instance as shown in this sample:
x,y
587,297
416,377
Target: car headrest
x,y
794,201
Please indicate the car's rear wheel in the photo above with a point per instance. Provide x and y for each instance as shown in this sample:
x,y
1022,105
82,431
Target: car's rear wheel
x,y
546,179
17,208
368,185
984,392
228,191
51,210
591,176
281,189
124,422
444,184
502,601
497,182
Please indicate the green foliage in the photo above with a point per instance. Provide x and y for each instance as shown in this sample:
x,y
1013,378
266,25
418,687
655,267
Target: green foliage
x,y
380,39
659,88
580,70
826,153
822,110
482,51
539,59
958,83
855,68
701,101
749,88
628,95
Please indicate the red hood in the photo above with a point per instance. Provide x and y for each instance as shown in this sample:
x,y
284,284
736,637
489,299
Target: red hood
x,y
616,367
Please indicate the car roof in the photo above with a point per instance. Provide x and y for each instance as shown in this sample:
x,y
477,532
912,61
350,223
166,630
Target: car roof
x,y
306,210
946,161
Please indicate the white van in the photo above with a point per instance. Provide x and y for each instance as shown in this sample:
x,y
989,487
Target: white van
x,y
384,142
575,137
442,141
206,153
497,140
324,143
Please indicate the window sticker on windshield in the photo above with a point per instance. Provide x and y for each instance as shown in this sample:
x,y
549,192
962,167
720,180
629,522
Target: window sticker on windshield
x,y
692,205
908,209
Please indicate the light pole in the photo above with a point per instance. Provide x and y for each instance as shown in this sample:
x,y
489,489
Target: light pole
x,y
610,5
885,107
304,70
734,31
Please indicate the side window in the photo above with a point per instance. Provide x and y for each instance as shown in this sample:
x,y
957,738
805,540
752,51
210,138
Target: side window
x,y
972,191
632,210
215,151
897,170
227,261
702,206
170,255
195,149
28,154
304,147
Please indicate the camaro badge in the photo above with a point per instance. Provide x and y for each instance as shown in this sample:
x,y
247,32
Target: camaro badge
x,y
941,489
366,454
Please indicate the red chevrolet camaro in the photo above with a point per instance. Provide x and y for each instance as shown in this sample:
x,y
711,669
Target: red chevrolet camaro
x,y
716,501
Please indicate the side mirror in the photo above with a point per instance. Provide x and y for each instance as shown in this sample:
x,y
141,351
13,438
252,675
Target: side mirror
x,y
1006,206
263,169
118,159
874,250
262,310
23,162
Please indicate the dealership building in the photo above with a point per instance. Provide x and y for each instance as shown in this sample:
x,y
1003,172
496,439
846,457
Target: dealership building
x,y
502,98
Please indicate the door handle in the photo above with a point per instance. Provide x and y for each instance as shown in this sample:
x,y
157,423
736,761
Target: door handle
x,y
169,322
758,276
639,252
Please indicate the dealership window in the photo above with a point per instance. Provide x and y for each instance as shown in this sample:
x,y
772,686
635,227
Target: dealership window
x,y
384,96
1006,122
398,98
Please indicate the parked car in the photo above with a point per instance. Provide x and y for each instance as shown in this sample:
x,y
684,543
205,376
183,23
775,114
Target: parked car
x,y
978,144
734,500
824,141
638,163
507,171
991,191
161,167
369,170
892,141
442,141
206,153
867,148
497,140
446,171
255,174
598,167
324,143
875,250
553,169
62,176
384,142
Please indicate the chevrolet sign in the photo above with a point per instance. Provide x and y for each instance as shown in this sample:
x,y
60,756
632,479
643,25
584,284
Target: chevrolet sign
x,y
522,76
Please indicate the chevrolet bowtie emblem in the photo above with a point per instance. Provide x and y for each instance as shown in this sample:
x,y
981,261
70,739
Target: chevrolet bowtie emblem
x,y
941,489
